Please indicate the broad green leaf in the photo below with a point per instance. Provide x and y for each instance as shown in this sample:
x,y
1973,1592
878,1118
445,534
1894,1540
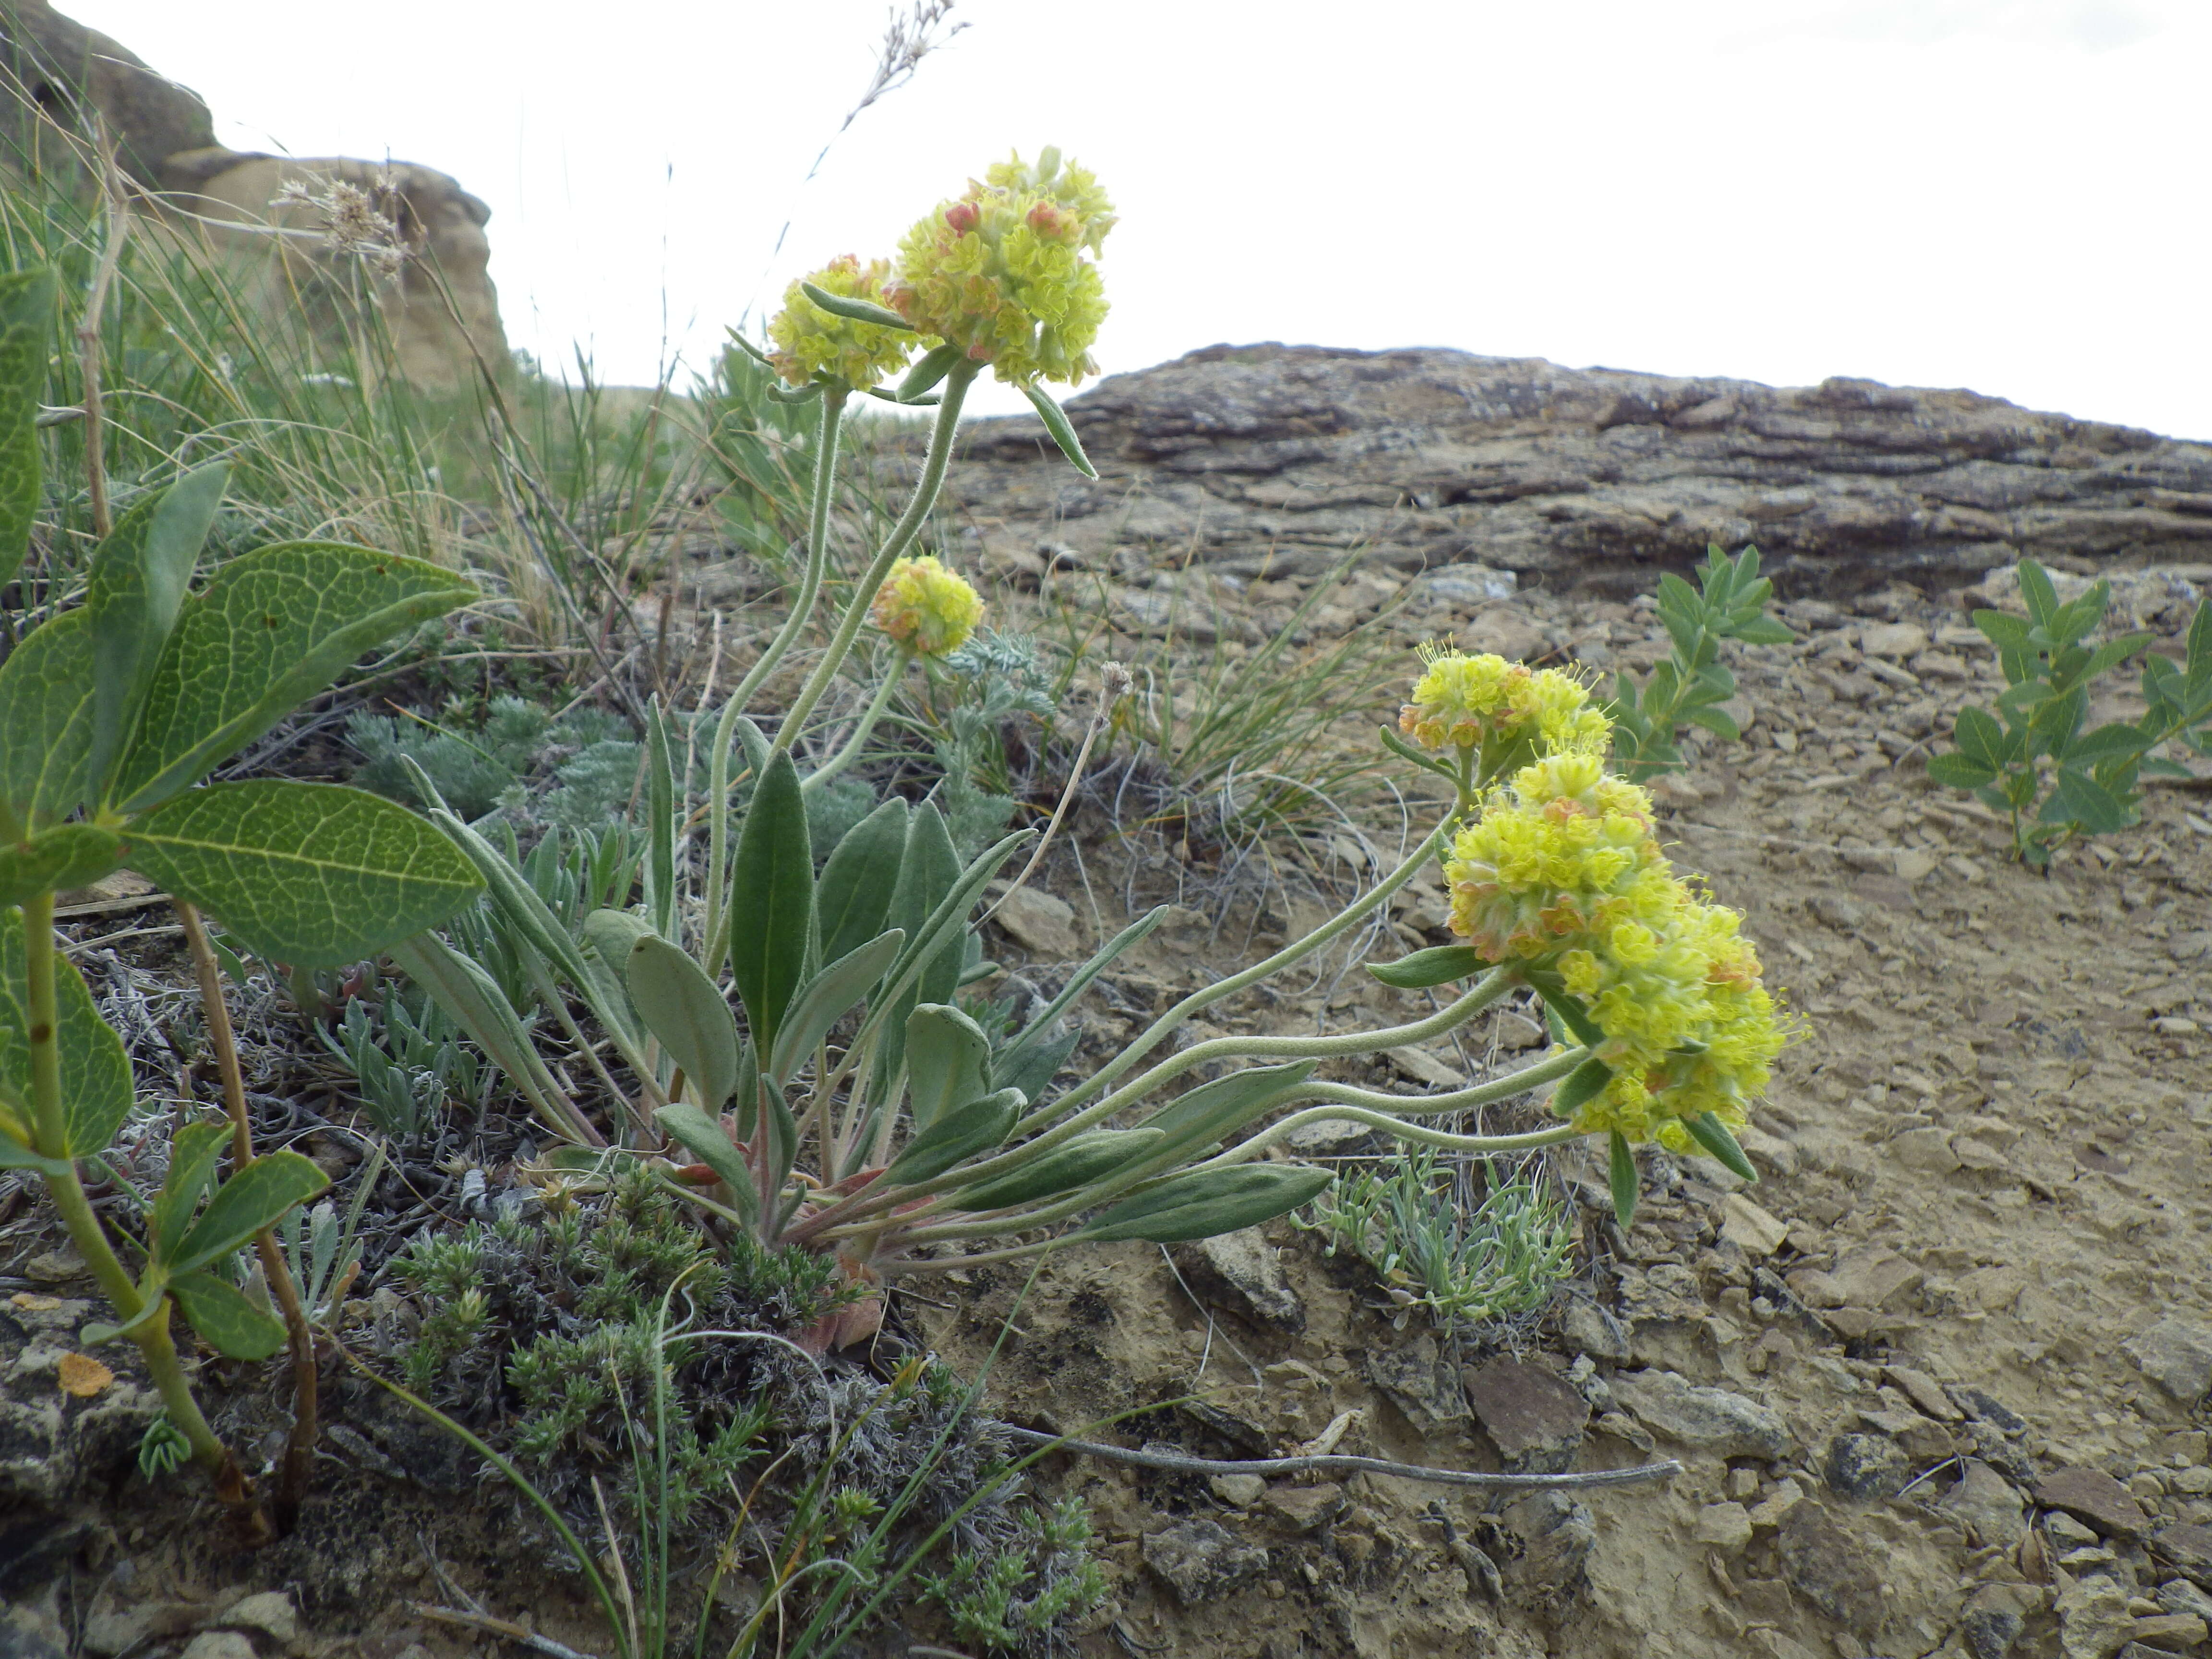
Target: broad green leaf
x,y
1622,1176
17,1155
1440,964
977,1128
67,855
854,894
154,1304
1961,771
2110,654
95,1073
273,627
2079,799
1074,1163
1062,429
824,999
315,875
711,1144
1209,1112
948,1058
1713,1135
682,1007
1206,1203
140,574
772,900
224,1318
46,722
1585,1082
1980,738
26,311
250,1202
1717,721
2002,629
192,1154
2036,591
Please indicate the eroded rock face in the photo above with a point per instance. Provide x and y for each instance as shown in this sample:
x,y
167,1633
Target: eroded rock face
x,y
55,74
1287,457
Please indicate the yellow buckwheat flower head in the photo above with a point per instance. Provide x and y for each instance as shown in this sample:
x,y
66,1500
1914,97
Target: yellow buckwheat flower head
x,y
928,609
1562,872
1004,273
1466,701
810,341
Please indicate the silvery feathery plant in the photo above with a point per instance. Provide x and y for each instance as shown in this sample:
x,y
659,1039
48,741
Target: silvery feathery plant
x,y
857,1109
113,709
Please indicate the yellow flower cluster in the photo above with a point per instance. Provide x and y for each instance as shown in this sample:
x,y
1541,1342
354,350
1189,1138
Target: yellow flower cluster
x,y
809,341
928,609
1562,874
1005,272
1484,701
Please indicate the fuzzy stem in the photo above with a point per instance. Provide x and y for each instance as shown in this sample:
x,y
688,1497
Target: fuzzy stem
x,y
1160,1029
298,1468
820,492
77,1212
933,465
851,751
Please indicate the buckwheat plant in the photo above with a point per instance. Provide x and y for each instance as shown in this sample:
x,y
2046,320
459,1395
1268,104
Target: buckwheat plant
x,y
115,703
796,1032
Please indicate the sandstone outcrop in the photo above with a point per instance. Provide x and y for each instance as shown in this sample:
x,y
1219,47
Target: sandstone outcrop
x,y
55,75
1287,457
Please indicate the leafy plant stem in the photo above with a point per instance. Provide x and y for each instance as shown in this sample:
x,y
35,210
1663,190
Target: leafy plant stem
x,y
298,1468
851,750
933,465
85,1231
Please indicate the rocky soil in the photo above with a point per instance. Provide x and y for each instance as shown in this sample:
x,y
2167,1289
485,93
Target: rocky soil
x,y
1937,1384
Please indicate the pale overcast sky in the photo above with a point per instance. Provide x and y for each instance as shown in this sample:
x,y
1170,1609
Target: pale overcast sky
x,y
2007,195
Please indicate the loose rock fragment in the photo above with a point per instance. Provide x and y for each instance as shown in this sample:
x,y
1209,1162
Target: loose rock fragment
x,y
2094,1496
1242,1272
1531,1414
2176,1355
1709,1420
1199,1560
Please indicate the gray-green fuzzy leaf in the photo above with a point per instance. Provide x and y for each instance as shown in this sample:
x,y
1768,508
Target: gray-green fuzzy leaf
x,y
1206,1203
312,874
772,900
977,1128
826,997
854,894
948,1058
683,1007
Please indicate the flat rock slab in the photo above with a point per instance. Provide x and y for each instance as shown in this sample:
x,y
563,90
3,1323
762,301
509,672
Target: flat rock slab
x,y
1531,1414
2176,1355
1040,924
1709,1420
1242,1272
2189,1551
1827,1569
1200,1559
2095,1499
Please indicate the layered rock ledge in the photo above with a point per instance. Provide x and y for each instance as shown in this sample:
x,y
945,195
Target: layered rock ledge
x,y
1283,459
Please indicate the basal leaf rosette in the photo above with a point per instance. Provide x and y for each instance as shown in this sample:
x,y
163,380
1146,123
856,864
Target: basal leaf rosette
x,y
1005,272
810,342
927,609
1483,703
1562,874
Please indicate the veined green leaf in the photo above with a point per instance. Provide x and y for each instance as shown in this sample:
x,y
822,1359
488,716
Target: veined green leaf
x,y
26,311
96,1084
2036,591
854,894
141,572
1961,771
192,1154
948,1057
252,1200
1440,964
273,627
826,997
975,1128
46,715
67,855
312,874
1206,1203
683,1007
225,1320
772,900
